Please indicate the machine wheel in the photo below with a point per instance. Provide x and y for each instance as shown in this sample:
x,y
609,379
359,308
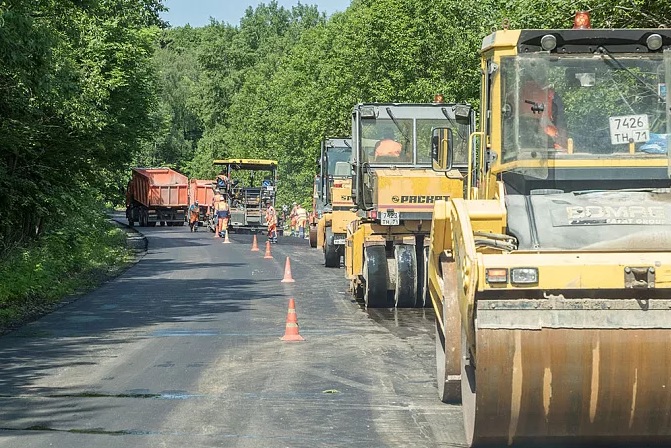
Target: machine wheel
x,y
331,253
405,294
151,224
131,223
423,277
313,236
449,387
468,390
143,218
375,277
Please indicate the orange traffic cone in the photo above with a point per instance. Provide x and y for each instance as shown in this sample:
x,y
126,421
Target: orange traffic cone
x,y
287,273
291,333
255,245
226,240
268,255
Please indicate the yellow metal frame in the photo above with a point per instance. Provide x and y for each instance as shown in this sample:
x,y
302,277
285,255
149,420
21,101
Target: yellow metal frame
x,y
248,164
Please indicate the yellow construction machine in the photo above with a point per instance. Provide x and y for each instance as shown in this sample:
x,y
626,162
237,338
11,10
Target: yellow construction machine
x,y
393,190
248,185
336,187
551,279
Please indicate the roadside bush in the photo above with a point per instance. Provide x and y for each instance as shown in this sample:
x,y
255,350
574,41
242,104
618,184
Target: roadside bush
x,y
80,252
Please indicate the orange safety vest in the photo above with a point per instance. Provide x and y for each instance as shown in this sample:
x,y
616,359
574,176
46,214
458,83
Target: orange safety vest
x,y
388,148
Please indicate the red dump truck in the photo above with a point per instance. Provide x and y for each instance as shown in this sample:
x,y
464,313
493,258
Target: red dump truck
x,y
157,195
202,191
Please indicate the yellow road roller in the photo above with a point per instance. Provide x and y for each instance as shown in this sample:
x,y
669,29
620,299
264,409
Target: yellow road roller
x,y
337,210
551,278
394,189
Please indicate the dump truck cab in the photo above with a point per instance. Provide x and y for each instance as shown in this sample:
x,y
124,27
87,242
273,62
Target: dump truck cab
x,y
551,279
393,190
250,183
337,209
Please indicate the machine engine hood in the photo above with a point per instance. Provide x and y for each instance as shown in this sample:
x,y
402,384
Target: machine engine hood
x,y
600,221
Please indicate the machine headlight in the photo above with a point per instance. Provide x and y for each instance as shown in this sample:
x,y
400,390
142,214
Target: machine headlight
x,y
524,276
548,42
496,275
654,42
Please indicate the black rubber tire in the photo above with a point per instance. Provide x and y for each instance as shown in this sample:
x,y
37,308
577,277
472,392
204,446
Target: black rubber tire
x,y
405,293
375,277
151,224
331,253
143,218
423,300
131,223
313,236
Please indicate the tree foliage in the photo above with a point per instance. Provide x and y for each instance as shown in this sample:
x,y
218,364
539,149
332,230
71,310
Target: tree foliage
x,y
89,87
76,87
282,79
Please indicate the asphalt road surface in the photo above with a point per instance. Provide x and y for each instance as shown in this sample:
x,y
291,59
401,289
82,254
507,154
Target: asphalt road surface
x,y
184,349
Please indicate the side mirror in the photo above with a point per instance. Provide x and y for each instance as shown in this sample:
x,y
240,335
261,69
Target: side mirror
x,y
442,142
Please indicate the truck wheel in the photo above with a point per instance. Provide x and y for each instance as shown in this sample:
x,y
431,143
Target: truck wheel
x,y
131,223
405,293
375,277
151,224
331,254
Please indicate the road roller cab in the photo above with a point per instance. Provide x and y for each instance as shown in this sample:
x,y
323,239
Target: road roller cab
x,y
551,279
394,189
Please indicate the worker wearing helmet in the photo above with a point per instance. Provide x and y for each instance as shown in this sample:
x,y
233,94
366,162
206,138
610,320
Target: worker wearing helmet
x,y
194,216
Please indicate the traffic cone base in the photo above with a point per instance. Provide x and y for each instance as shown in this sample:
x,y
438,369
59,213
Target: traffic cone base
x,y
255,245
226,240
291,333
287,273
268,254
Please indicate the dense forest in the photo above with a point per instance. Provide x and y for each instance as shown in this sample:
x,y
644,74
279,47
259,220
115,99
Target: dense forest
x,y
89,88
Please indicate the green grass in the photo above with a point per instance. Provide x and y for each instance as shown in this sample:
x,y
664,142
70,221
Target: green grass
x,y
74,258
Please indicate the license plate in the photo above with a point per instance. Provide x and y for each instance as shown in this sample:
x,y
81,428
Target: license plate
x,y
339,241
629,129
389,218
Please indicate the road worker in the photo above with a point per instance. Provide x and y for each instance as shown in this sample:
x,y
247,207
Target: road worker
x,y
271,221
223,181
194,216
301,220
215,215
387,149
223,212
293,216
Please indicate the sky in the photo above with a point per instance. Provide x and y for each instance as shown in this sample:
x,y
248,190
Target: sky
x,y
198,12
